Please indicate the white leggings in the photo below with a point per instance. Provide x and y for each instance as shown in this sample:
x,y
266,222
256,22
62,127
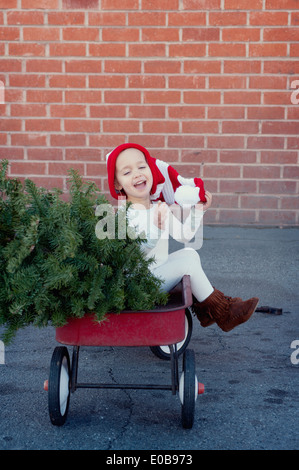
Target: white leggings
x,y
179,263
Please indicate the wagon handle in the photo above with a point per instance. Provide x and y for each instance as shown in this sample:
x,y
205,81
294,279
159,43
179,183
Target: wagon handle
x,y
186,291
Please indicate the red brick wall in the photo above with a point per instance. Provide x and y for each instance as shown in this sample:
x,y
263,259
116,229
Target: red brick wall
x,y
209,85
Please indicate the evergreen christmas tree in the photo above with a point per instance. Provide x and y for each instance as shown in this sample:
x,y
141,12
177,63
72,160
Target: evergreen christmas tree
x,y
54,267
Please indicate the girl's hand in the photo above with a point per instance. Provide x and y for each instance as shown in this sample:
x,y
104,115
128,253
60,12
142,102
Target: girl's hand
x,y
160,215
205,205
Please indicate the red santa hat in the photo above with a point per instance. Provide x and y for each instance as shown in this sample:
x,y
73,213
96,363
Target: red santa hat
x,y
168,185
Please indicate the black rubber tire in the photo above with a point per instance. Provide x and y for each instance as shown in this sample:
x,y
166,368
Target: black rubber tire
x,y
59,367
188,406
163,352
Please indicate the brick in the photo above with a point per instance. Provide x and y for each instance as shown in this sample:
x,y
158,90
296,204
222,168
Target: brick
x,y
147,18
277,98
42,125
62,110
28,140
83,66
245,97
107,50
280,157
23,49
241,34
9,33
277,187
200,156
265,112
108,111
259,201
83,154
126,96
28,110
146,50
61,168
66,18
237,156
268,18
44,96
41,34
117,126
107,19
186,141
291,172
242,66
167,96
201,34
226,112
164,127
263,142
200,127
120,66
227,50
237,216
240,186
281,4
187,18
27,168
67,81
160,4
280,127
43,65
44,154
147,112
203,97
9,4
186,112
107,81
224,82
120,34
74,49
83,96
227,18
162,66
201,5
243,4
202,66
240,127
40,4
160,35
289,67
267,50
80,4
82,125
223,141
146,81
268,82
261,172
68,140
183,82
281,34
187,50
80,34
24,17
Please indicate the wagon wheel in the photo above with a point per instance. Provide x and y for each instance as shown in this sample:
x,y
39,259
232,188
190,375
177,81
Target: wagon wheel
x,y
163,352
188,389
59,386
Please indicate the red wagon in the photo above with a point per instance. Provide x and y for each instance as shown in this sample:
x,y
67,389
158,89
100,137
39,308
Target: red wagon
x,y
166,330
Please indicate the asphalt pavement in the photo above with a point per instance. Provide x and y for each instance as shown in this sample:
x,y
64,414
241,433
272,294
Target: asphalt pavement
x,y
251,374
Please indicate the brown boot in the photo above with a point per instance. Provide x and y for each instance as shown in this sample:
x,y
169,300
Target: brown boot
x,y
203,315
227,312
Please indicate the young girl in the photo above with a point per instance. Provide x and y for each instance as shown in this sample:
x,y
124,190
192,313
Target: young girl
x,y
132,173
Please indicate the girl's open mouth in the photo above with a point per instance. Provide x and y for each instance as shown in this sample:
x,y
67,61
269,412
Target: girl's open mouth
x,y
140,184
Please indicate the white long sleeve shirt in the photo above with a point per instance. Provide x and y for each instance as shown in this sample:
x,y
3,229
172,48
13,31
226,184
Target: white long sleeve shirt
x,y
156,242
